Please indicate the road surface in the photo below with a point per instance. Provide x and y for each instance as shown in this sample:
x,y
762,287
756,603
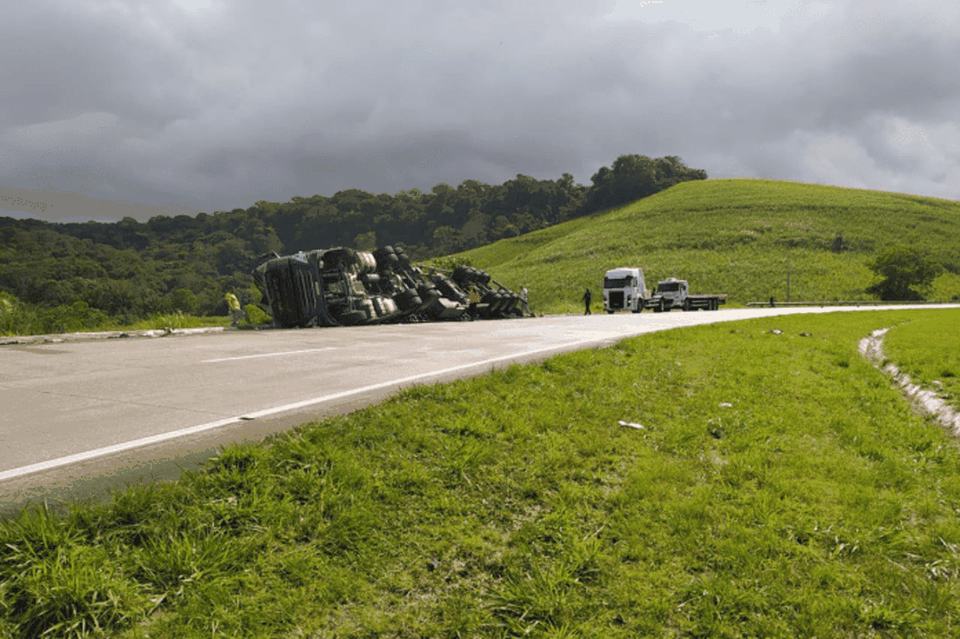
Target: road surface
x,y
82,417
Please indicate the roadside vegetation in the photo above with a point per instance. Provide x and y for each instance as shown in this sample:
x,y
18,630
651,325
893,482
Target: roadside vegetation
x,y
746,238
740,237
755,478
17,318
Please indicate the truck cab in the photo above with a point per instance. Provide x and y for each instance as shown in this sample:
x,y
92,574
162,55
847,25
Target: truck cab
x,y
624,289
673,293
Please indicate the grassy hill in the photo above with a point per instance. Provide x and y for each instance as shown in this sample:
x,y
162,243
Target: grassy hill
x,y
733,236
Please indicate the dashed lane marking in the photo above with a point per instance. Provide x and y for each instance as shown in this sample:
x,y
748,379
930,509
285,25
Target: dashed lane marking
x,y
230,359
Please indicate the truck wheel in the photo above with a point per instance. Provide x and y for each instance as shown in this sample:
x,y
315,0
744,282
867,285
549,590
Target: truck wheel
x,y
427,292
407,300
351,318
686,305
461,274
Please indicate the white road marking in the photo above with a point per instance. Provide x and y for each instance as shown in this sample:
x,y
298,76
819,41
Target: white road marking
x,y
13,473
230,359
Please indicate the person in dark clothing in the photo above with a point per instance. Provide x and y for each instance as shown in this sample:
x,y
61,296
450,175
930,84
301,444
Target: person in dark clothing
x,y
586,302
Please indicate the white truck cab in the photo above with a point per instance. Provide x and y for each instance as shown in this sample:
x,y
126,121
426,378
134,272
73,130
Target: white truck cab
x,y
624,289
673,292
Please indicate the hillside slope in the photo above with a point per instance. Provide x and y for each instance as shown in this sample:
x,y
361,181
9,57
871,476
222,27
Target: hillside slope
x,y
735,236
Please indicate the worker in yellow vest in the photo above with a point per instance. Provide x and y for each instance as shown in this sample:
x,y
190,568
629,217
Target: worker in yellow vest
x,y
236,313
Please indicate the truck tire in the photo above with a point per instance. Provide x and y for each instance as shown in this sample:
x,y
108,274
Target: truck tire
x,y
350,318
686,305
464,275
427,292
367,262
387,259
407,300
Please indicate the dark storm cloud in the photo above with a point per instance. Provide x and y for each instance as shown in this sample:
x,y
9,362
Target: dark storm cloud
x,y
212,105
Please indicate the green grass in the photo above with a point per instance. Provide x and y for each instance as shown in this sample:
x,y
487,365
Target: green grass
x,y
175,320
780,486
733,236
17,318
928,350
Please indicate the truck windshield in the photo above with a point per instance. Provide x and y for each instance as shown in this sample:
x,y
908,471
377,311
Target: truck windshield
x,y
668,287
617,282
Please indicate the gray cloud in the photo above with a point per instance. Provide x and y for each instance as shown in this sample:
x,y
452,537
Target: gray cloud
x,y
209,105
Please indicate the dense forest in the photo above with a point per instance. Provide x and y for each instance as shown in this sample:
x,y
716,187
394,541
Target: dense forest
x,y
132,269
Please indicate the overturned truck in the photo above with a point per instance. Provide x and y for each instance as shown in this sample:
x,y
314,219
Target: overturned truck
x,y
345,287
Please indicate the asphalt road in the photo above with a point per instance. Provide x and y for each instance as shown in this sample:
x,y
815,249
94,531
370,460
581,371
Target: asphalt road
x,y
82,417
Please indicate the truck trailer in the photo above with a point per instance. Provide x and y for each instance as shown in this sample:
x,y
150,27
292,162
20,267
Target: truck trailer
x,y
345,287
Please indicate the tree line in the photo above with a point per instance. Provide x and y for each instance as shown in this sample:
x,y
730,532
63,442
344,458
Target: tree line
x,y
132,269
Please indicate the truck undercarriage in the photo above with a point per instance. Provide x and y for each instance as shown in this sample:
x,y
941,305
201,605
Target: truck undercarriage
x,y
344,287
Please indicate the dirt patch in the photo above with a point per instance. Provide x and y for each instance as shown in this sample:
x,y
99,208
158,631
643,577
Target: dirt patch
x,y
928,400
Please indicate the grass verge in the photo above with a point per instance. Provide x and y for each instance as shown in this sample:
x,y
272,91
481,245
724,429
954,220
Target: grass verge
x,y
765,483
928,350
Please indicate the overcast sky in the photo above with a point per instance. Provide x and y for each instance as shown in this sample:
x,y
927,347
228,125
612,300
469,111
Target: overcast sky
x,y
124,107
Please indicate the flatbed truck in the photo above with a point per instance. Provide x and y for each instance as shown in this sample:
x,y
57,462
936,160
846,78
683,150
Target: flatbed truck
x,y
672,293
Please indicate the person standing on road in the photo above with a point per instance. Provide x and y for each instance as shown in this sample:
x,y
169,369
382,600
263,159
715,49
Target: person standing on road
x,y
586,302
524,305
236,313
473,295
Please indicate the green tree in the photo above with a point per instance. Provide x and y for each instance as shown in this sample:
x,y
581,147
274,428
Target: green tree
x,y
906,273
366,241
183,300
636,176
446,240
